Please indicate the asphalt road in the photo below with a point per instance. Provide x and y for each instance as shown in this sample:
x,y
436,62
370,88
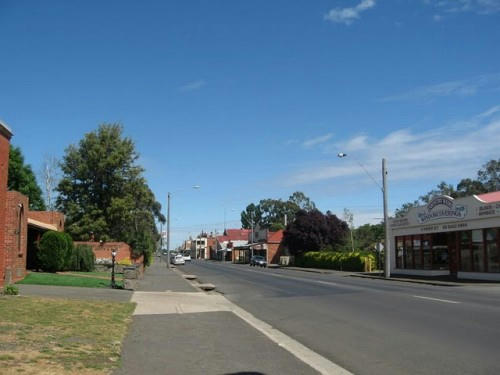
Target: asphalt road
x,y
370,326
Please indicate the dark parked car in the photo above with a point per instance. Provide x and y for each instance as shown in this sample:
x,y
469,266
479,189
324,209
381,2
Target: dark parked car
x,y
258,260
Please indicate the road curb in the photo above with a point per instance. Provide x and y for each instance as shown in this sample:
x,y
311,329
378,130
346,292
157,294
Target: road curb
x,y
306,270
413,281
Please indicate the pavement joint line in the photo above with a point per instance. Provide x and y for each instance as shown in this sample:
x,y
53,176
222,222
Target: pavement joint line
x,y
437,299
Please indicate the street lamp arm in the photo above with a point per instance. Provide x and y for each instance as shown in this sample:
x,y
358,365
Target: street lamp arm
x,y
343,155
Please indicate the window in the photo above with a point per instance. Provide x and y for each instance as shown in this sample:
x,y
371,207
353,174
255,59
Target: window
x,y
408,253
465,251
399,252
427,252
417,252
492,251
478,250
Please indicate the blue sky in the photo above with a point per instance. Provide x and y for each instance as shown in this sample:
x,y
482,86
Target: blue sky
x,y
254,99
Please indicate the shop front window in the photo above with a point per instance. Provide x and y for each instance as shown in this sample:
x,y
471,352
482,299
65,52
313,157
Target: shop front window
x,y
427,252
478,250
440,259
399,252
408,253
465,251
417,252
492,251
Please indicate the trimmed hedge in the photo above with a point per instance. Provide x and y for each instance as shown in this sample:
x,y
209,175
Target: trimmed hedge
x,y
57,253
53,251
82,259
342,261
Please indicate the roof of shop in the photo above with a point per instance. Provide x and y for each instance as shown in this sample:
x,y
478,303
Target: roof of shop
x,y
490,197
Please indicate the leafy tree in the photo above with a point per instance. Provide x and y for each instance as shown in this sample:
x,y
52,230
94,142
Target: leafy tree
x,y
251,214
489,176
367,236
22,179
314,231
301,201
272,212
468,187
488,180
102,191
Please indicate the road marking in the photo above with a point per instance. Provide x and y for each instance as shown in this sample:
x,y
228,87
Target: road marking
x,y
303,353
437,299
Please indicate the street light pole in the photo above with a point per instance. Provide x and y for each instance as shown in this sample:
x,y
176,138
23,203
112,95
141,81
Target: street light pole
x,y
168,224
168,230
387,249
387,260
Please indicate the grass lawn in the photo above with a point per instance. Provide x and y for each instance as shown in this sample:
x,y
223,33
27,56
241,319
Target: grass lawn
x,y
42,278
58,336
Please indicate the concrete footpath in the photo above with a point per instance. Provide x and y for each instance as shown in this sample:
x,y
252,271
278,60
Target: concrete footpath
x,y
179,329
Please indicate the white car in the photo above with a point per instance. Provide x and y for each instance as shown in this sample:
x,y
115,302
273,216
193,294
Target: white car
x,y
178,259
187,257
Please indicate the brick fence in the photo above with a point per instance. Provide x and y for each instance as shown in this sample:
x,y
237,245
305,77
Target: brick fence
x,y
103,251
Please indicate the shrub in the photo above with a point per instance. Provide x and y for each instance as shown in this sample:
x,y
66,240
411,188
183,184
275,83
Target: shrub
x,y
53,251
69,252
342,261
10,290
82,259
125,262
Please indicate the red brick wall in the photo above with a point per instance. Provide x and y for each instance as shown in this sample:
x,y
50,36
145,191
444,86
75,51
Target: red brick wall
x,y
16,236
274,251
103,251
49,217
4,167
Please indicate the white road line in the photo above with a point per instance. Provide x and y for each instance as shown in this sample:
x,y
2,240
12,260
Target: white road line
x,y
437,299
303,353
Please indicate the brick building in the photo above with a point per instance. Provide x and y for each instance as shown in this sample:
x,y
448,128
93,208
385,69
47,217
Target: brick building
x,y
20,228
5,135
267,244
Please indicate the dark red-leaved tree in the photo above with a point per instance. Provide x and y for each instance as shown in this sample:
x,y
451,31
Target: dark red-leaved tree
x,y
314,231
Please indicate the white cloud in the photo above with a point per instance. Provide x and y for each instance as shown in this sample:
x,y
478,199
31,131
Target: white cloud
x,y
466,87
192,86
318,140
348,15
356,143
455,151
484,7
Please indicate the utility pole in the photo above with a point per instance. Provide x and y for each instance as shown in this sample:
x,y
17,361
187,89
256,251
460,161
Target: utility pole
x,y
252,233
286,220
387,247
168,230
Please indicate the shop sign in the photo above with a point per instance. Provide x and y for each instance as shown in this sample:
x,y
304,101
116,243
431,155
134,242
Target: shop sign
x,y
400,222
489,209
441,208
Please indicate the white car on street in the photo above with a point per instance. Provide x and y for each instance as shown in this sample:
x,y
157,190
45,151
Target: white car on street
x,y
187,257
178,259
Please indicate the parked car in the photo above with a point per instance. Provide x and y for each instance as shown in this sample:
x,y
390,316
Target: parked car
x,y
258,260
177,259
187,257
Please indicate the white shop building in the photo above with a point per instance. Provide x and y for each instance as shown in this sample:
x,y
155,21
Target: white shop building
x,y
458,237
